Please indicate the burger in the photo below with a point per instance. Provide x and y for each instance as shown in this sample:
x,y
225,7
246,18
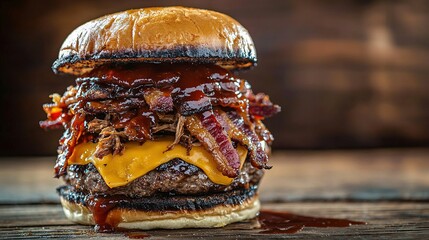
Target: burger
x,y
159,132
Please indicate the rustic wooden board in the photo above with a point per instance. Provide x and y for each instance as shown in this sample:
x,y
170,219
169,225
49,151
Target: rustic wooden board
x,y
384,221
389,189
368,175
296,176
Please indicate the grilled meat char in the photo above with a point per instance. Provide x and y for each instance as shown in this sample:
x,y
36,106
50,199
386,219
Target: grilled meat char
x,y
175,177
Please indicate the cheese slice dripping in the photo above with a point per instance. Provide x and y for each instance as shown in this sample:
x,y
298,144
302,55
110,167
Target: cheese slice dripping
x,y
136,160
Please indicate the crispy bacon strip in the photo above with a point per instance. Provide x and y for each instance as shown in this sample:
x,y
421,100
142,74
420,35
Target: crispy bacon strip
x,y
263,132
68,142
158,100
51,124
58,111
261,107
210,133
235,125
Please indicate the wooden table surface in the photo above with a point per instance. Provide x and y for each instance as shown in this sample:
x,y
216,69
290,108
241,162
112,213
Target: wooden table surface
x,y
388,189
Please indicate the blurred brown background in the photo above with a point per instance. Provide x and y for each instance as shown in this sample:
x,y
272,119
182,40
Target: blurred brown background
x,y
348,74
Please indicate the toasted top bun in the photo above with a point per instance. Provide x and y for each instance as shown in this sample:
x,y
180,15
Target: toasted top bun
x,y
170,34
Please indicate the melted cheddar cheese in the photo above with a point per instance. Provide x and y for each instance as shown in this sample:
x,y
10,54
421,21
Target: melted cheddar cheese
x,y
136,160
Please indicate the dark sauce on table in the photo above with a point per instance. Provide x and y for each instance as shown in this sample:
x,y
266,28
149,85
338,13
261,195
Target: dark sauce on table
x,y
273,222
137,235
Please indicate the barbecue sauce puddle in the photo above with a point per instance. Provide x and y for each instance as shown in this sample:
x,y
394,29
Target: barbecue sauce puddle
x,y
271,222
137,235
274,222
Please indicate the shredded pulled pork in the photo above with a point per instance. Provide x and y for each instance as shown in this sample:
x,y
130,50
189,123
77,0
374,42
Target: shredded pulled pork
x,y
195,104
109,141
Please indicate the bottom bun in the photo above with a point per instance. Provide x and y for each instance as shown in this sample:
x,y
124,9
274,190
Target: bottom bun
x,y
218,215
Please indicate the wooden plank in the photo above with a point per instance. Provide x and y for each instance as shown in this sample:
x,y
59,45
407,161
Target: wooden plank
x,y
387,174
28,180
296,176
384,221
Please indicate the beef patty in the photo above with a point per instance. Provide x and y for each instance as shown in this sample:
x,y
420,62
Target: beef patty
x,y
173,177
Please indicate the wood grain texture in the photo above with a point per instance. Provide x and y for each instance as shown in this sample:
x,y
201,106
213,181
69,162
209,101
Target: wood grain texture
x,y
384,221
356,175
296,176
388,189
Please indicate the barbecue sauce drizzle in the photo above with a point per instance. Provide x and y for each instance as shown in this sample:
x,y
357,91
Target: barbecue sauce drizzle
x,y
100,208
271,222
194,89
